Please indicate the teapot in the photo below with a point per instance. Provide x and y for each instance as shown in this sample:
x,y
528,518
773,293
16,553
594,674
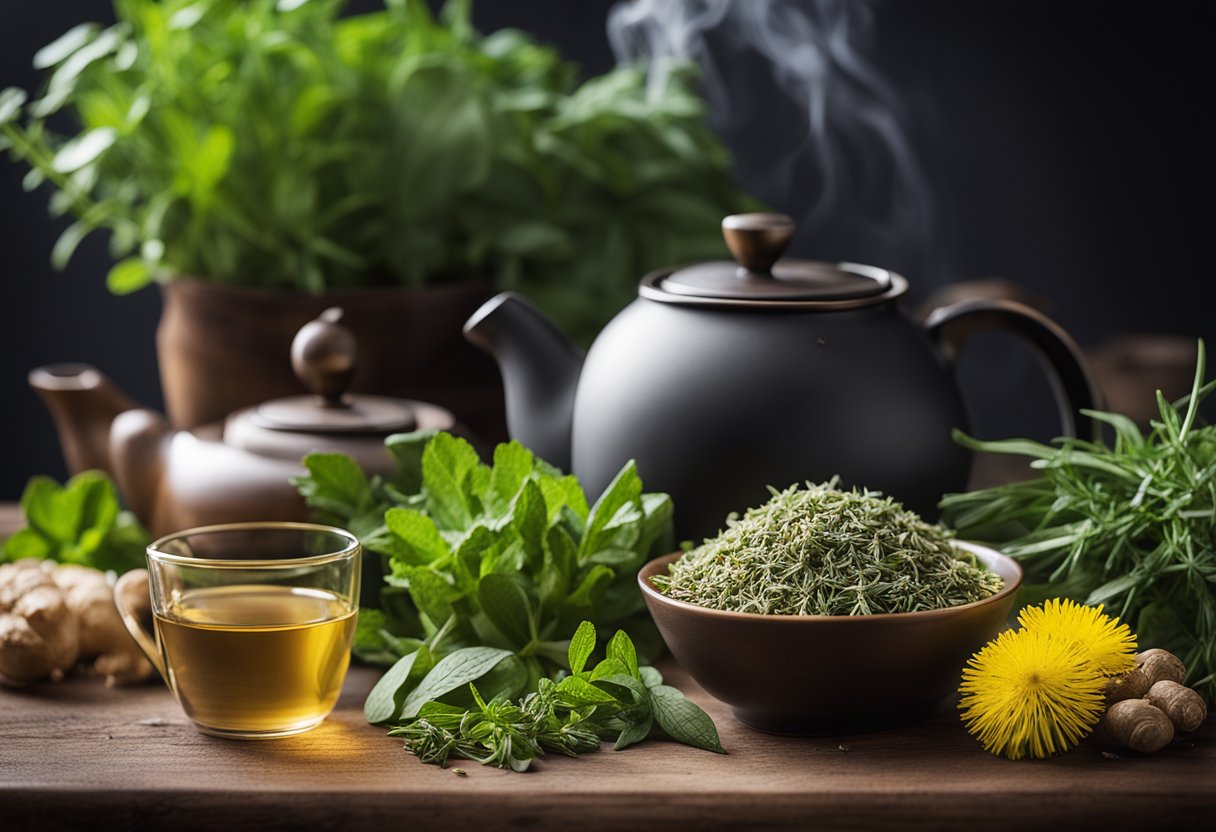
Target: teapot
x,y
240,469
722,379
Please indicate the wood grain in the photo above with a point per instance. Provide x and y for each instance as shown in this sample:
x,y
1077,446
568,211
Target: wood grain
x,y
76,755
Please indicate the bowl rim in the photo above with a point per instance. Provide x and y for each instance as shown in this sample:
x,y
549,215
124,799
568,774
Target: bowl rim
x,y
989,555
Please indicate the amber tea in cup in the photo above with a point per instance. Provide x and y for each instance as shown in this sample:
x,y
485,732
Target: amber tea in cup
x,y
252,623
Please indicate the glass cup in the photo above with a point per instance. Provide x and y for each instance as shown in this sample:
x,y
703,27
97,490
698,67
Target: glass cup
x,y
252,623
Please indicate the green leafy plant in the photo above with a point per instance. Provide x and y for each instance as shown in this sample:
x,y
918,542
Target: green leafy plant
x,y
617,700
278,143
487,572
80,522
508,556
1131,526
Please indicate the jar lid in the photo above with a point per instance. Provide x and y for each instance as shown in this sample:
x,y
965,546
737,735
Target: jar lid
x,y
757,242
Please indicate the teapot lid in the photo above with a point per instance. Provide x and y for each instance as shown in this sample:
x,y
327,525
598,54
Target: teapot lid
x,y
758,275
323,356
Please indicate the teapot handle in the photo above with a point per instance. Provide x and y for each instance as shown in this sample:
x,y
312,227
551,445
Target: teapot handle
x,y
1071,382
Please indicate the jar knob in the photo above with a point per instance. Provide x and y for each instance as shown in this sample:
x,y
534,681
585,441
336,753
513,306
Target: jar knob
x,y
757,241
323,356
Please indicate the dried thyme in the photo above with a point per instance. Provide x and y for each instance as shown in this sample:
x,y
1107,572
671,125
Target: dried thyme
x,y
823,551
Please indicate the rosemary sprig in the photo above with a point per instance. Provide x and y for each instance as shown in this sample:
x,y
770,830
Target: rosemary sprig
x,y
823,551
1131,526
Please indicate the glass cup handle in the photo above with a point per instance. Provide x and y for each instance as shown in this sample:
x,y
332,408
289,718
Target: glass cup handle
x,y
134,603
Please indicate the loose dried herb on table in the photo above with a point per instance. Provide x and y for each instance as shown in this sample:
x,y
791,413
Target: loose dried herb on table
x,y
1131,526
823,551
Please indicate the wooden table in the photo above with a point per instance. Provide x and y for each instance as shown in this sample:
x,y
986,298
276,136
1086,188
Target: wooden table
x,y
76,755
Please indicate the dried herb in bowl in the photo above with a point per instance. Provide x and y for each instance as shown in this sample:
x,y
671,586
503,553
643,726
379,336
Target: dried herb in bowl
x,y
820,550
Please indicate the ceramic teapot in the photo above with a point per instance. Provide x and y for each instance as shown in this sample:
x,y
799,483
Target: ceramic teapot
x,y
240,469
723,378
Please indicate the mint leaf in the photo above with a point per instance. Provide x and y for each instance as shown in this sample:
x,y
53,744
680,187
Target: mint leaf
x,y
528,518
592,587
650,677
513,463
27,543
582,644
432,593
621,649
506,604
625,489
455,670
447,463
417,533
335,483
637,728
80,522
387,697
563,492
407,450
658,535
683,721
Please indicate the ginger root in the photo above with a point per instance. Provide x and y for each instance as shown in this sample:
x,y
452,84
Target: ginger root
x,y
1152,666
1149,704
1185,708
52,617
1139,725
102,633
39,635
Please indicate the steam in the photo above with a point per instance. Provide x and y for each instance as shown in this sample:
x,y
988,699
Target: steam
x,y
816,129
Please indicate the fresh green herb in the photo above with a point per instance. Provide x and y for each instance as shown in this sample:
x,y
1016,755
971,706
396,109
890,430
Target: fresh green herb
x,y
508,556
822,551
80,522
616,701
1131,526
282,143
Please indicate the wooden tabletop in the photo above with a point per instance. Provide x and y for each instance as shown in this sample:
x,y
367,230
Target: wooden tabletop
x,y
76,755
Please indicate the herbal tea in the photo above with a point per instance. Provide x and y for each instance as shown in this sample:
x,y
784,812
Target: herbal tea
x,y
256,658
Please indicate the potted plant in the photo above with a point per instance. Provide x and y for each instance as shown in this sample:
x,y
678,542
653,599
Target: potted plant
x,y
262,160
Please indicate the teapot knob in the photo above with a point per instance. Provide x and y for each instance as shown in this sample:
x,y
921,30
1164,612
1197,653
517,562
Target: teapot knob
x,y
323,356
757,241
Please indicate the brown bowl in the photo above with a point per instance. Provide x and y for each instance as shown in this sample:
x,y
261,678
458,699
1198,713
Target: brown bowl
x,y
830,674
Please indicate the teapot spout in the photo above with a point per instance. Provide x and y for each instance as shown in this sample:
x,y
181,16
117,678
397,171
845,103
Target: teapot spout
x,y
83,405
540,369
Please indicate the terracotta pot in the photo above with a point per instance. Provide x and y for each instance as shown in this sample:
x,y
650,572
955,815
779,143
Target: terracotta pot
x,y
222,348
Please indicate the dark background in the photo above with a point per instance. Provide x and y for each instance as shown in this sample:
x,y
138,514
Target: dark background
x,y
1070,146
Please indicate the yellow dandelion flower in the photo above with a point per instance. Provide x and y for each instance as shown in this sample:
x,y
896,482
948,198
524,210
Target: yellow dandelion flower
x,y
1111,646
1029,694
